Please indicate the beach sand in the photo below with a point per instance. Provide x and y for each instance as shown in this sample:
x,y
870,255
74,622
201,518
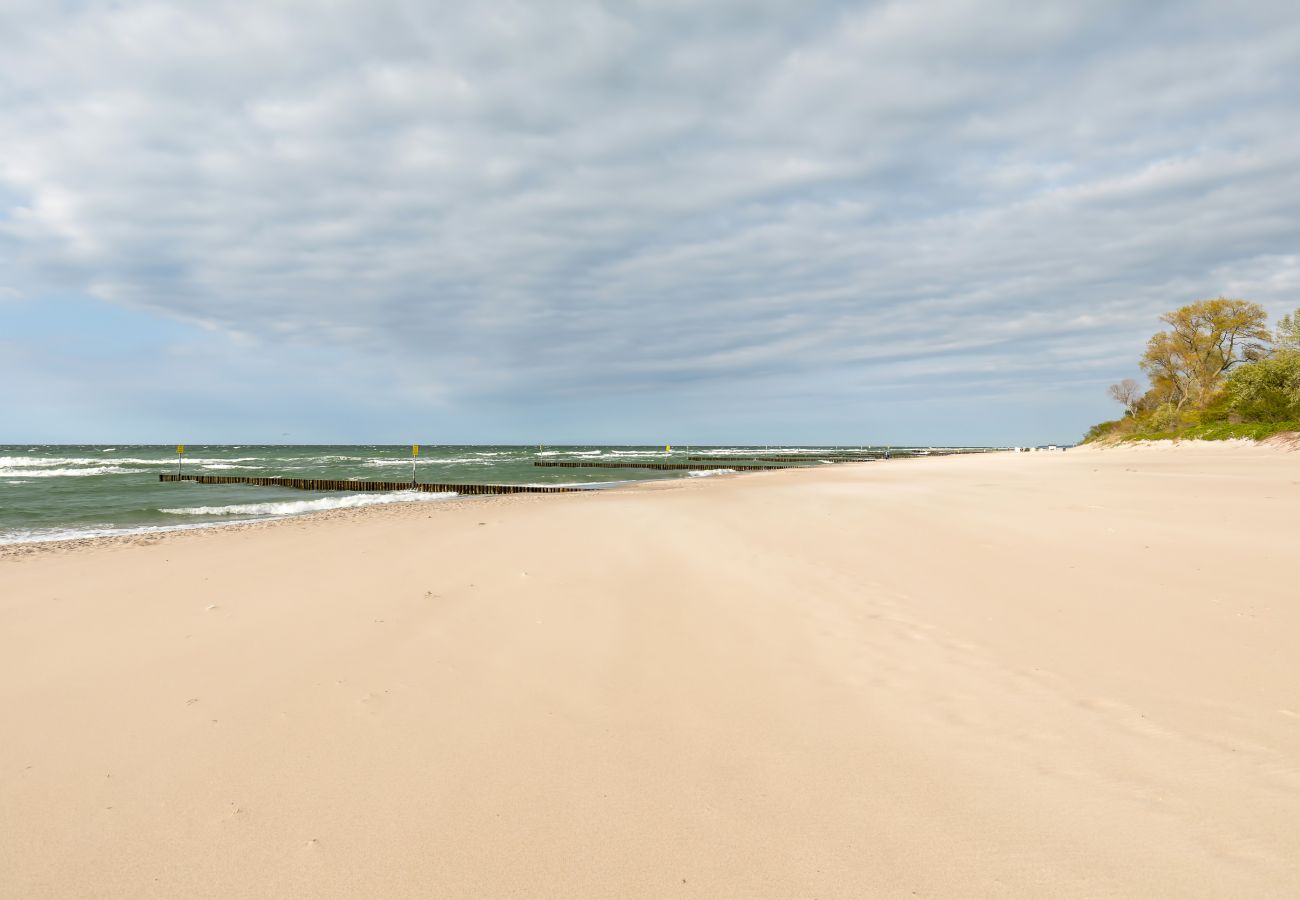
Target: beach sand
x,y
1069,674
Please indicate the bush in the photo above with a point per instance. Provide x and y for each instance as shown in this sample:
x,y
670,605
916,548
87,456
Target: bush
x,y
1266,391
1102,430
1219,410
1165,417
1255,431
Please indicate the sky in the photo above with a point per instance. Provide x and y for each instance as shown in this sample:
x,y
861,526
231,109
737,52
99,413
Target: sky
x,y
319,221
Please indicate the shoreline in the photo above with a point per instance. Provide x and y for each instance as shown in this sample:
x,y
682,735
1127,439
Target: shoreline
x,y
11,548
1010,674
151,534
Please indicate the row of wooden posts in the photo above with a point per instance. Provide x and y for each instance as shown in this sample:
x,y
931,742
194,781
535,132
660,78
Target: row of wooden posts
x,y
344,484
650,465
753,463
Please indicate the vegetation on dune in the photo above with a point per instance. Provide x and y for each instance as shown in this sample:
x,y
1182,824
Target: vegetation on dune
x,y
1217,372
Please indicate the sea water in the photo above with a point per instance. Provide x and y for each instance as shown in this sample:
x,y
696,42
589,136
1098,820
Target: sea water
x,y
62,492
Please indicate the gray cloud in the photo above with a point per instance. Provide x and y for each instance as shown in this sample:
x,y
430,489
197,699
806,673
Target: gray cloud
x,y
591,200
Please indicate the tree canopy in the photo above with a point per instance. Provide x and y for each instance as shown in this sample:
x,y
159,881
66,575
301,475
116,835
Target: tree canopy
x,y
1215,367
1207,338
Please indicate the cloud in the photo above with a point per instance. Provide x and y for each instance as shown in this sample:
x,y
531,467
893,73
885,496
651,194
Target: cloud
x,y
591,200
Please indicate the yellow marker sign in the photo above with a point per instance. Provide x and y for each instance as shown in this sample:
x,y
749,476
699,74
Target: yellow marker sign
x,y
415,449
668,448
180,448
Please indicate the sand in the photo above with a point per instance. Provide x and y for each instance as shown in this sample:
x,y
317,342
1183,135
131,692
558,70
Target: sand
x,y
1072,674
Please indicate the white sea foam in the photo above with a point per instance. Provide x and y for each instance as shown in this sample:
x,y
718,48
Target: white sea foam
x,y
222,465
705,473
427,461
41,535
38,462
68,473
13,462
584,454
297,507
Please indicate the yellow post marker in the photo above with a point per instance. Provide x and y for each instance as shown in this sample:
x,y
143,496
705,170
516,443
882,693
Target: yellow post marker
x,y
668,448
180,451
415,451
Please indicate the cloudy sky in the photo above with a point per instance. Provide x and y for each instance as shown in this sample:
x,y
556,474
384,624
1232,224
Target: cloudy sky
x,y
693,221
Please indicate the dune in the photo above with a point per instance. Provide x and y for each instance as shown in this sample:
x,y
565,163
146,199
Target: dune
x,y
1049,674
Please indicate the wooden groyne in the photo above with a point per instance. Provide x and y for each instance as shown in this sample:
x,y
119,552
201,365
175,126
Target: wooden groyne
x,y
808,458
343,484
848,456
694,467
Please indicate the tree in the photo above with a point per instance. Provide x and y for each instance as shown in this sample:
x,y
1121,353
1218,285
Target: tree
x,y
1205,340
1128,393
1288,331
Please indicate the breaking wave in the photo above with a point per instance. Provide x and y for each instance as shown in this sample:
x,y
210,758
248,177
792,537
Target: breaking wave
x,y
21,472
297,507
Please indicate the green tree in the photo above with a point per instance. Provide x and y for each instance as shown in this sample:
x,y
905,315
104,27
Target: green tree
x,y
1205,340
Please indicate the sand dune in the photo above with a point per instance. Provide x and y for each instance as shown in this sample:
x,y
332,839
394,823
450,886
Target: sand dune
x,y
1011,675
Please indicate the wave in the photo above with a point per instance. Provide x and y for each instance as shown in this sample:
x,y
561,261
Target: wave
x,y
14,462
297,507
68,473
36,462
430,461
601,454
705,473
41,535
216,465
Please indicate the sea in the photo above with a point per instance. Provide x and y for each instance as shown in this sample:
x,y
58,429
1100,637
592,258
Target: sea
x,y
65,492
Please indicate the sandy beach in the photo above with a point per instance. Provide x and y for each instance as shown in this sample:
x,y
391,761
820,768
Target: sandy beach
x,y
1071,674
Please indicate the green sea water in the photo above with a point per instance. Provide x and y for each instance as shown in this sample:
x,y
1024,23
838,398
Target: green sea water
x,y
62,492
